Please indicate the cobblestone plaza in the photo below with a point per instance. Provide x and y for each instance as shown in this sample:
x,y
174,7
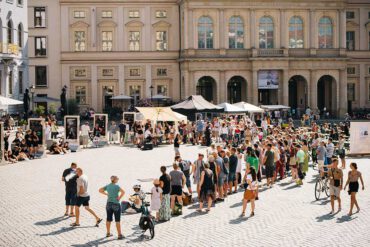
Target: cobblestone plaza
x,y
32,207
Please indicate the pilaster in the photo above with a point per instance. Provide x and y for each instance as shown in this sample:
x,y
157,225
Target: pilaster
x,y
253,28
94,86
343,102
255,87
313,89
285,90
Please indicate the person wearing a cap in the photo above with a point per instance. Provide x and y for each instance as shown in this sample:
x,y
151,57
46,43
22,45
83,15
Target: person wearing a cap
x,y
113,207
156,198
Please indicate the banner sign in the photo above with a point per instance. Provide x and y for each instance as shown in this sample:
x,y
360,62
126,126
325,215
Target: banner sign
x,y
360,137
268,79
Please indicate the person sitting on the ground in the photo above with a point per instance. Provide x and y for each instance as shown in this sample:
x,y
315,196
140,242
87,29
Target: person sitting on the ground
x,y
55,148
8,156
134,200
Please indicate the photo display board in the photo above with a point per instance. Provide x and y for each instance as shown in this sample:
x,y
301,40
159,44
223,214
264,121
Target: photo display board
x,y
71,127
268,79
101,121
359,137
38,124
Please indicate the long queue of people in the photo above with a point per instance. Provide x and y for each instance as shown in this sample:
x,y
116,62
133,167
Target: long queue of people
x,y
269,153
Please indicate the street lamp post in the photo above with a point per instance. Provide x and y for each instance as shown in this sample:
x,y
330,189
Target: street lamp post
x,y
32,90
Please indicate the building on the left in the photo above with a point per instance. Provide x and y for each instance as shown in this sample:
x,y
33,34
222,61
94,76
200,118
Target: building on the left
x,y
13,50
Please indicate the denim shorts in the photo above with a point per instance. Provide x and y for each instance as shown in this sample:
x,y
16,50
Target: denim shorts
x,y
113,209
188,183
232,177
222,179
71,197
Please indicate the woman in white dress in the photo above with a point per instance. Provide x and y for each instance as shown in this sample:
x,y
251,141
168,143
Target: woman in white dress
x,y
155,204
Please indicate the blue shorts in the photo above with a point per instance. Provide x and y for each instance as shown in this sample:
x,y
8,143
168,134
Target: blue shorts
x,y
222,180
232,177
188,183
113,209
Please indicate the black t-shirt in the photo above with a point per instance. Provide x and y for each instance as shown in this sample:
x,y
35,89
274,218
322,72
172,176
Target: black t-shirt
x,y
233,163
176,143
122,128
71,185
166,183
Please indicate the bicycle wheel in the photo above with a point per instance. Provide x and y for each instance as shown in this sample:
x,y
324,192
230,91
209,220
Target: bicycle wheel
x,y
326,187
318,189
151,229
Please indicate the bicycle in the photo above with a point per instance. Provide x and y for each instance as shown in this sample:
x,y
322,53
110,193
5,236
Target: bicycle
x,y
146,219
321,186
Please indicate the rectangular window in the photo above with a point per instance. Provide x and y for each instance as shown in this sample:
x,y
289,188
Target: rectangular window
x,y
106,14
11,82
134,41
80,41
351,70
161,72
134,14
81,95
351,92
161,14
350,41
79,14
161,41
162,90
350,15
41,76
40,17
20,2
40,46
20,82
135,91
107,41
134,72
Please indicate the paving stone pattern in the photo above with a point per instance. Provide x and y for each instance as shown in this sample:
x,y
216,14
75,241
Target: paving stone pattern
x,y
32,205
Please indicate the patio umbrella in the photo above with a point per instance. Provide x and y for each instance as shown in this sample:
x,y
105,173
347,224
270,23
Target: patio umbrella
x,y
249,107
122,97
8,101
229,108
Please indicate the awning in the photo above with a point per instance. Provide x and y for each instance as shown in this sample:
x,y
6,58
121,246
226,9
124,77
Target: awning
x,y
159,114
181,117
45,99
229,108
4,101
248,107
275,107
197,103
159,97
122,97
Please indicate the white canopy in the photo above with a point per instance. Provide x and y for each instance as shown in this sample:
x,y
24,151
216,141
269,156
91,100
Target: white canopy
x,y
159,114
181,117
159,97
248,107
229,108
4,101
275,107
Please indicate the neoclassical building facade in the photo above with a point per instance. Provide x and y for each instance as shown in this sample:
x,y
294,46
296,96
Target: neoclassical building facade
x,y
297,53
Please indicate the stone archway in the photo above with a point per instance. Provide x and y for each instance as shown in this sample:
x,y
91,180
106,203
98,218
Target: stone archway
x,y
206,87
327,95
298,100
236,89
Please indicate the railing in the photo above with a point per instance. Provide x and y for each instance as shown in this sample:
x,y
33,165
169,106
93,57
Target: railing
x,y
270,52
11,49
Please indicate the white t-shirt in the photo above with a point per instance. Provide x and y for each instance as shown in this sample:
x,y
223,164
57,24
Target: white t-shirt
x,y
85,130
83,181
147,133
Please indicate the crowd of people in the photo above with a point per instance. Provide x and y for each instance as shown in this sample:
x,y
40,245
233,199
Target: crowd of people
x,y
241,154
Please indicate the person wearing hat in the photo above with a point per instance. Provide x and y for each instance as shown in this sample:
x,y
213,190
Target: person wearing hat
x,y
156,198
115,194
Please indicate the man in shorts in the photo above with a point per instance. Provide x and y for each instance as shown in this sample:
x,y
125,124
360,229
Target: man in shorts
x,y
268,161
178,181
187,168
69,177
83,198
321,153
222,176
233,163
330,150
335,184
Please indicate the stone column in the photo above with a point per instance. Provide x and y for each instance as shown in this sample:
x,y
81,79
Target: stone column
x,y
192,84
121,79
312,32
253,28
94,87
221,88
363,94
285,91
313,89
255,87
148,81
342,29
186,27
283,29
190,29
120,31
94,44
342,91
221,35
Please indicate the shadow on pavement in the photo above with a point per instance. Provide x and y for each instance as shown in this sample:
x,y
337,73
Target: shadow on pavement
x,y
284,184
325,217
193,214
64,230
321,202
238,204
345,218
292,187
238,220
52,221
96,242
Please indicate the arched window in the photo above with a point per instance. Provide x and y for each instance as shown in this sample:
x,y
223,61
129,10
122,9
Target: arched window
x,y
266,32
20,35
295,32
236,33
325,33
205,33
10,32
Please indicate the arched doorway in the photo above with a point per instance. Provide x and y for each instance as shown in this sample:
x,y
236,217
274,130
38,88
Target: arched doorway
x,y
326,95
206,87
236,89
298,95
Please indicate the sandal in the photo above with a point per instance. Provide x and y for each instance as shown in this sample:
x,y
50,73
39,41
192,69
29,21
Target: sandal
x,y
72,215
199,210
120,237
243,214
74,224
98,222
109,235
252,214
66,214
